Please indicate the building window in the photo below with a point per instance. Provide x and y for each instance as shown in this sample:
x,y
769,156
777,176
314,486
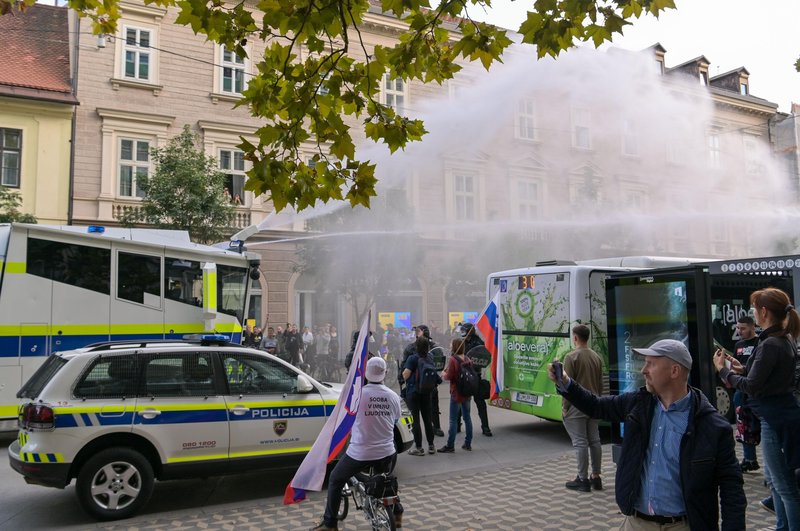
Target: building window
x,y
703,78
137,54
713,149
752,163
743,89
10,155
526,120
465,197
231,162
659,67
630,140
528,199
581,133
134,165
233,68
394,93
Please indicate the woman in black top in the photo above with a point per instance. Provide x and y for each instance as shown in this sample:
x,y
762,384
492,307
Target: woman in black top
x,y
768,378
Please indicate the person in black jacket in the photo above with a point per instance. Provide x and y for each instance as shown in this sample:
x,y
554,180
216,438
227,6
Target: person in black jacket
x,y
677,463
411,348
471,340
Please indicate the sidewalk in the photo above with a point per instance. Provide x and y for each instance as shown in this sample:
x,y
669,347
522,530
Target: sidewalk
x,y
529,497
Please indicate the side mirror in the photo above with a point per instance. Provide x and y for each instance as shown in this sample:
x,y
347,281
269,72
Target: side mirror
x,y
304,384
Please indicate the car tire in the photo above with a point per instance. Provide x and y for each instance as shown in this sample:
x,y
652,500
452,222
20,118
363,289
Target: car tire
x,y
114,484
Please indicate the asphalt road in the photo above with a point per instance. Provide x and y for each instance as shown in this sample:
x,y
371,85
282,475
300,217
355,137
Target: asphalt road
x,y
518,439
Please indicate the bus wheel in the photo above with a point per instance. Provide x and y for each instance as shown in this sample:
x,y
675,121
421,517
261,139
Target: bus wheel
x,y
725,404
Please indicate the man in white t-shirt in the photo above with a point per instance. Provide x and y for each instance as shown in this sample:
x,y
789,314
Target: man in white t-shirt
x,y
371,441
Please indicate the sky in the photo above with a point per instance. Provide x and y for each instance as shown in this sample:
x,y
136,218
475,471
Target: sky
x,y
761,36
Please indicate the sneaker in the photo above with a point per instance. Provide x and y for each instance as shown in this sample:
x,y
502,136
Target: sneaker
x,y
467,447
749,466
431,449
582,485
323,527
439,432
487,432
416,451
768,504
446,450
596,482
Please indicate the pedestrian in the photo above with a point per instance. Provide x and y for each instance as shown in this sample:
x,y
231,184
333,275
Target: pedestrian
x,y
459,404
424,331
371,441
768,380
586,368
419,401
677,464
293,344
323,340
742,350
471,341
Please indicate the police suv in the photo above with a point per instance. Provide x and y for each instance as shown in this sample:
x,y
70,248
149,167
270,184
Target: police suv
x,y
118,415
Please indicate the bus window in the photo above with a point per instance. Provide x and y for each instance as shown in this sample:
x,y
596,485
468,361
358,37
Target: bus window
x,y
231,288
139,278
77,265
183,281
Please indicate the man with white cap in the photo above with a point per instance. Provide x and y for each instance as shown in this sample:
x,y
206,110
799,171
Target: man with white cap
x,y
371,441
677,463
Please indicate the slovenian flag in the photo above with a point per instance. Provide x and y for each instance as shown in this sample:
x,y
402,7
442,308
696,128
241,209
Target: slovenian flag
x,y
488,324
333,437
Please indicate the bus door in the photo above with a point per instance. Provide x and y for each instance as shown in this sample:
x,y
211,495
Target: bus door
x,y
647,306
137,304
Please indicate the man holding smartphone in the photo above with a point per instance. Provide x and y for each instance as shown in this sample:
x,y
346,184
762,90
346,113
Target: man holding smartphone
x,y
677,464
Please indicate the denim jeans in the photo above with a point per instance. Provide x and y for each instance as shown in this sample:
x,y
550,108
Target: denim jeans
x,y
782,481
463,407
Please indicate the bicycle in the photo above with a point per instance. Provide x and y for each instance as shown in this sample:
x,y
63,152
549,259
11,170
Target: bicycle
x,y
374,494
327,368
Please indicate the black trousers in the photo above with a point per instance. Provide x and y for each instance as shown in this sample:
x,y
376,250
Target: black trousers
x,y
420,406
346,468
435,413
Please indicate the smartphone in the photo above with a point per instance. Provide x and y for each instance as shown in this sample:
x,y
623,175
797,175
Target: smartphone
x,y
558,370
718,346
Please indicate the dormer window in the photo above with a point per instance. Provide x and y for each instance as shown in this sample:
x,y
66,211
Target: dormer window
x,y
659,67
703,78
743,89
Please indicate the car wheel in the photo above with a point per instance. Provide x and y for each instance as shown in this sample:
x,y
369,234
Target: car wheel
x,y
115,483
725,404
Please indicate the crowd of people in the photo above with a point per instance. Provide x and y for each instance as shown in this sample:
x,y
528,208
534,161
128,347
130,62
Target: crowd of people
x,y
292,345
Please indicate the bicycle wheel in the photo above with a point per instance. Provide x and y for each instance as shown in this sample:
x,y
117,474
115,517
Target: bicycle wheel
x,y
344,507
382,516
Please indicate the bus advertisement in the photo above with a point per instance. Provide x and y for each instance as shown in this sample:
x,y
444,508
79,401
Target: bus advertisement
x,y
627,302
65,287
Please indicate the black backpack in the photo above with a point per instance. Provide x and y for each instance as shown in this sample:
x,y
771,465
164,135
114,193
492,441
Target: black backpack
x,y
468,381
427,376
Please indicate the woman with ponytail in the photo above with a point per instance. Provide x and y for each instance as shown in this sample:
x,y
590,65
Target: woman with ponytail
x,y
768,378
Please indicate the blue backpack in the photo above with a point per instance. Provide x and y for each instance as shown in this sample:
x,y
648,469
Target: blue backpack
x,y
427,375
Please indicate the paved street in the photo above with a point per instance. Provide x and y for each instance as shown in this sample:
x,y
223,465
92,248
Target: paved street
x,y
512,481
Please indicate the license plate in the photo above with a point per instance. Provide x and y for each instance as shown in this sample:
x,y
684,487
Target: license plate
x,y
525,398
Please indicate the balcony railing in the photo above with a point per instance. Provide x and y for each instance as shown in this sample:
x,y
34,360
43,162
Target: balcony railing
x,y
241,216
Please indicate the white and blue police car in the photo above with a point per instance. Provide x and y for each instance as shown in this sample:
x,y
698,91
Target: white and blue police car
x,y
116,416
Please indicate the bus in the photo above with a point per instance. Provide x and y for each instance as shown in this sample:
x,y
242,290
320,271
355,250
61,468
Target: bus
x,y
538,307
65,287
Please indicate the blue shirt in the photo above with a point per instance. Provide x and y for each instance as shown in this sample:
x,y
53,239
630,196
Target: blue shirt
x,y
661,491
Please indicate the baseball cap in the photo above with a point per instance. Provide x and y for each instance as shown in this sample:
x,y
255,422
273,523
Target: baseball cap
x,y
376,370
668,348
